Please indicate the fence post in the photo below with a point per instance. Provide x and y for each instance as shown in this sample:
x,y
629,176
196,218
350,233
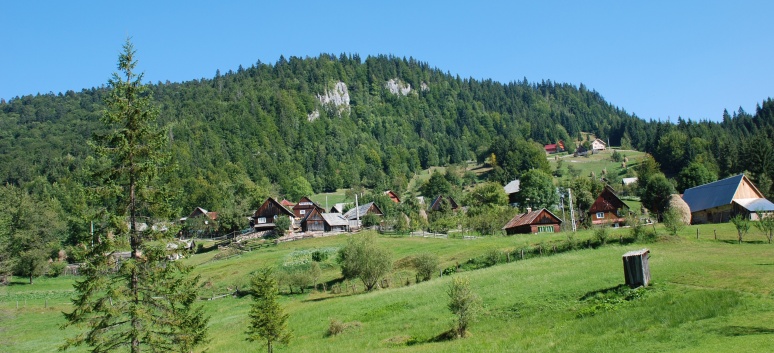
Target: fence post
x,y
522,254
716,234
697,233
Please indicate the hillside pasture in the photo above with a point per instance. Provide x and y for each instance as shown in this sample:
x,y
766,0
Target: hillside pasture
x,y
707,294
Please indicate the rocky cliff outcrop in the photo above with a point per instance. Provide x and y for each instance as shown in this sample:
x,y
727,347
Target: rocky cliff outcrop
x,y
396,86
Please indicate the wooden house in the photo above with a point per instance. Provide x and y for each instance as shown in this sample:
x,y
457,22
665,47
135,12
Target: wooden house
x,y
608,209
200,212
287,203
317,221
393,196
304,206
598,145
511,189
554,147
437,204
354,215
533,222
718,201
267,214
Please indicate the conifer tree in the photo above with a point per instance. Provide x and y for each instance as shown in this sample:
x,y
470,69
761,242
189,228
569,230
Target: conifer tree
x,y
144,301
267,319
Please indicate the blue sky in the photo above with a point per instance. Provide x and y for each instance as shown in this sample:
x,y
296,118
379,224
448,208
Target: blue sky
x,y
657,59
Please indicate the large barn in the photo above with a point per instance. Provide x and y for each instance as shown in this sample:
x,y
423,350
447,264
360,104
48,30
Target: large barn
x,y
718,201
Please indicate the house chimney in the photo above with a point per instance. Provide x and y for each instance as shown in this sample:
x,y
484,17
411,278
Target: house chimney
x,y
529,209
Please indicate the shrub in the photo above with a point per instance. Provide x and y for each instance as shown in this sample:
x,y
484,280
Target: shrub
x,y
464,303
337,327
364,259
601,234
426,265
673,221
56,268
319,256
492,257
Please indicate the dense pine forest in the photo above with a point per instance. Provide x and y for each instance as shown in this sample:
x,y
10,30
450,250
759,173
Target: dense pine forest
x,y
270,129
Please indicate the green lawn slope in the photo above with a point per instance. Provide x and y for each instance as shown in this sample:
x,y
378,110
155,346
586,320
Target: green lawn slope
x,y
707,295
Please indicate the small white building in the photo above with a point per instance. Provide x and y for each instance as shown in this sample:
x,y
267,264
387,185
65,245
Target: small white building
x,y
598,145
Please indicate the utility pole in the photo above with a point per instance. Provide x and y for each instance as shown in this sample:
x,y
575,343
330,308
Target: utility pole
x,y
572,212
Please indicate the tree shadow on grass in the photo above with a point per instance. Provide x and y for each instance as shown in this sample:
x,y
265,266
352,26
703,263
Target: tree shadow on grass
x,y
445,336
617,289
734,331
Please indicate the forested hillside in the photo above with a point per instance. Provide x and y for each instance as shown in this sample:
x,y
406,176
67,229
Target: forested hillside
x,y
241,136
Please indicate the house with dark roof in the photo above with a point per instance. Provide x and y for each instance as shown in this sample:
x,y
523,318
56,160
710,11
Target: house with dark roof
x,y
200,212
608,209
265,216
304,206
355,215
317,221
718,201
533,222
511,189
440,200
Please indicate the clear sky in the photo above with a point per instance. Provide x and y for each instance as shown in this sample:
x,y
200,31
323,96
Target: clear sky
x,y
657,59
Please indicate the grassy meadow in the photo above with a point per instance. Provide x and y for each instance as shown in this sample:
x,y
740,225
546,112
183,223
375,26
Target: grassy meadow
x,y
707,295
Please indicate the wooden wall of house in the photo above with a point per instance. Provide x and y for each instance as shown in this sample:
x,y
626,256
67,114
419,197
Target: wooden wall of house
x,y
718,214
746,191
269,210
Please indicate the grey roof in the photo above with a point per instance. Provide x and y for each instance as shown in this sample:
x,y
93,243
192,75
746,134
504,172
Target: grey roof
x,y
712,195
512,187
627,181
335,219
353,213
753,205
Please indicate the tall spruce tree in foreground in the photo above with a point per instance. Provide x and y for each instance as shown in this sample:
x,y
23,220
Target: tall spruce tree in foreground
x,y
145,301
267,319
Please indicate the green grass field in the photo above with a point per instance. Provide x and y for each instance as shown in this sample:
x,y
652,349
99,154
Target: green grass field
x,y
707,295
596,163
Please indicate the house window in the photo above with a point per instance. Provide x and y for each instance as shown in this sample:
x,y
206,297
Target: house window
x,y
600,215
545,229
262,220
302,212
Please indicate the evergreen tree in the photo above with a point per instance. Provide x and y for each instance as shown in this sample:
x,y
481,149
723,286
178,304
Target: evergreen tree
x,y
145,301
267,319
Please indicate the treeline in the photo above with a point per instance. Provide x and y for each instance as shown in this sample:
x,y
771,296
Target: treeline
x,y
262,131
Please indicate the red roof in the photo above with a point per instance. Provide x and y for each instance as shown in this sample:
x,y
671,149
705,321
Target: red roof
x,y
286,203
551,147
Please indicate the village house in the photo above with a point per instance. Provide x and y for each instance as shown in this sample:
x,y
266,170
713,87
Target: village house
x,y
598,145
265,216
317,221
533,222
440,200
511,189
393,196
555,147
608,209
355,215
718,201
199,222
304,206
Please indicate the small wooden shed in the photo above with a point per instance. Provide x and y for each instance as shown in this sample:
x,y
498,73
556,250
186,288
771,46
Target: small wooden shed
x,y
636,268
